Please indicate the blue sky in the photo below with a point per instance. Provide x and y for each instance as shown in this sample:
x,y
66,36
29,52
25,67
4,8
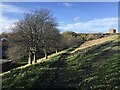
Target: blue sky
x,y
81,17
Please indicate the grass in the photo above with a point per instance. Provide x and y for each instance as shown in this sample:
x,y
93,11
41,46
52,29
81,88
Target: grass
x,y
38,61
105,76
30,76
91,68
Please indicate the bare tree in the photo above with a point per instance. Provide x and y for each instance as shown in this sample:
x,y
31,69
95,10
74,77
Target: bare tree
x,y
51,39
34,33
55,43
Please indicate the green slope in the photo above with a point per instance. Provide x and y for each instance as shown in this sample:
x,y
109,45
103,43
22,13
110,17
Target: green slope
x,y
90,68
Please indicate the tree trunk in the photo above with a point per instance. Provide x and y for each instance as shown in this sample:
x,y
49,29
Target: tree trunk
x,y
45,54
34,58
29,59
56,51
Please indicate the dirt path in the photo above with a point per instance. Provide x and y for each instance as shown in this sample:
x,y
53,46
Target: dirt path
x,y
61,72
95,42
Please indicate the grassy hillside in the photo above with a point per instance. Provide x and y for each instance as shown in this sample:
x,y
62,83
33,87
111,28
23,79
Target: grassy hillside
x,y
93,67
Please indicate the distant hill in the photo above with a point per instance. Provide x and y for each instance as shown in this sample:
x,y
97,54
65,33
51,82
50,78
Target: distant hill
x,y
92,66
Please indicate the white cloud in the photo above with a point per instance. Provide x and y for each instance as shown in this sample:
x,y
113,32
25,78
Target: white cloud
x,y
5,21
11,8
6,24
77,18
67,4
96,25
61,22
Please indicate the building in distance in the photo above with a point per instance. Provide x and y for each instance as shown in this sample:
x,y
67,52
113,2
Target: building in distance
x,y
112,31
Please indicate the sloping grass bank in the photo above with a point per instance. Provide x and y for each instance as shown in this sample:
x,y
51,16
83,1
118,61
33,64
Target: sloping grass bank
x,y
92,68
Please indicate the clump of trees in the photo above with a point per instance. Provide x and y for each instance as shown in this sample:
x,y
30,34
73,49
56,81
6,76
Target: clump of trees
x,y
70,39
35,32
90,36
